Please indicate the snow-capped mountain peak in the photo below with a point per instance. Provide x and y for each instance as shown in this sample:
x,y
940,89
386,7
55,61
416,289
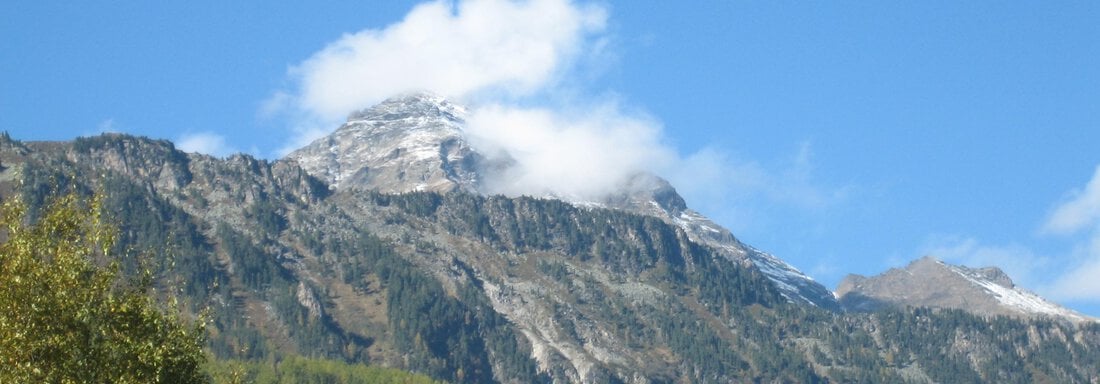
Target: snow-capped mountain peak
x,y
408,143
422,106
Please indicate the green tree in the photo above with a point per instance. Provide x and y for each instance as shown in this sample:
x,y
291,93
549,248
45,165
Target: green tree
x,y
67,318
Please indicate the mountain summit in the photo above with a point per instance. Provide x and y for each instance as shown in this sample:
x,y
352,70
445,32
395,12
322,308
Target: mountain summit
x,y
416,142
928,282
408,143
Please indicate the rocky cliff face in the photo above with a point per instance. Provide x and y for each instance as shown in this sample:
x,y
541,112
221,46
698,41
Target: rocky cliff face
x,y
416,143
928,282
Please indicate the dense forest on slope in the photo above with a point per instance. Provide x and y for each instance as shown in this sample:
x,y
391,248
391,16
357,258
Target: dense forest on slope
x,y
467,288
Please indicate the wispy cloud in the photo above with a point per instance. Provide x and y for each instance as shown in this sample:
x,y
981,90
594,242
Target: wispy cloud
x,y
1079,211
797,183
731,188
1082,281
589,151
206,143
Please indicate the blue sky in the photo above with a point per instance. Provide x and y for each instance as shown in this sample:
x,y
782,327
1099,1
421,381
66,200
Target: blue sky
x,y
840,136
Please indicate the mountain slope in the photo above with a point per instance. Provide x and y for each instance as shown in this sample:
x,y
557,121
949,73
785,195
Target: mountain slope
x,y
451,285
928,282
650,195
416,142
468,288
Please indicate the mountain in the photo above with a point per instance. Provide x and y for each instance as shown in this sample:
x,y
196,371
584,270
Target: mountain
x,y
404,144
416,142
470,288
928,282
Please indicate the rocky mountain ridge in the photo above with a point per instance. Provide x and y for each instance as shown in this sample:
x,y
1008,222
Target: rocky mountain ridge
x,y
416,142
470,288
928,282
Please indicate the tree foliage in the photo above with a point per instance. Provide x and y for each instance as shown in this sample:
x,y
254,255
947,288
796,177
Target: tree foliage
x,y
67,318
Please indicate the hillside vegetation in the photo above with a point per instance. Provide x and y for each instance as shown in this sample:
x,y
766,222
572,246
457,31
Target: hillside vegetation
x,y
467,288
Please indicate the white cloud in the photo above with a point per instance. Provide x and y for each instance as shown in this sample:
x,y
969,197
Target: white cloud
x,y
587,152
1079,213
510,58
1081,210
580,155
464,49
1082,282
206,143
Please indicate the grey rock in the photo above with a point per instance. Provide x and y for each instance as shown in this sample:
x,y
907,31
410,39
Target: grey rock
x,y
407,143
928,282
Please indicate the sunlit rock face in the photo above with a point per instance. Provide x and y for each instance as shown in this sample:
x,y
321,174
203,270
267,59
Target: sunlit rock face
x,y
928,282
407,143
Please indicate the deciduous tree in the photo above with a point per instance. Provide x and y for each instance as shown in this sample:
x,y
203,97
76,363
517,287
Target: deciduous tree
x,y
66,315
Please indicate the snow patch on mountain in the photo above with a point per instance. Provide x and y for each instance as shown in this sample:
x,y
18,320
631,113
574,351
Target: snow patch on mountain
x,y
792,283
928,282
1016,297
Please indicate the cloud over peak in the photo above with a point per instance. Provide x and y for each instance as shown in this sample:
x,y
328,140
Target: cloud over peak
x,y
583,155
520,68
454,49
